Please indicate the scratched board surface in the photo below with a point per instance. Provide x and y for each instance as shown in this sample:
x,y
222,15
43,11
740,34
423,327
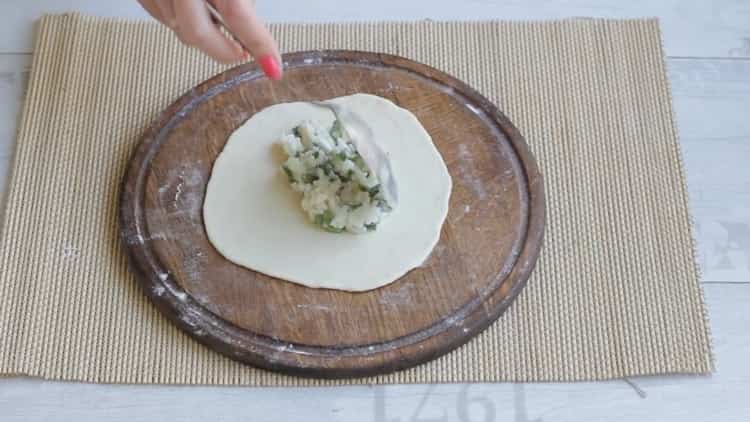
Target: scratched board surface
x,y
488,246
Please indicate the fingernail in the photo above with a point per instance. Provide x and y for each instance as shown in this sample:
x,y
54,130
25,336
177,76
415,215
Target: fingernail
x,y
270,66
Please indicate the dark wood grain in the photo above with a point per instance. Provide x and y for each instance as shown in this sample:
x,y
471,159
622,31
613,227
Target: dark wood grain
x,y
488,247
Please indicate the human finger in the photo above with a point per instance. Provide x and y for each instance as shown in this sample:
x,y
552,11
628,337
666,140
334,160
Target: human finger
x,y
194,27
241,18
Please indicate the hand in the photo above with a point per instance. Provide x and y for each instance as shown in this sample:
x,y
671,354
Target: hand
x,y
191,21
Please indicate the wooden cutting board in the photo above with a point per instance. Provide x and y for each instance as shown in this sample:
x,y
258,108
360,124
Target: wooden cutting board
x,y
489,243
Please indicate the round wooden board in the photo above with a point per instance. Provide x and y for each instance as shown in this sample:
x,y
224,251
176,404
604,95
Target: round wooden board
x,y
489,243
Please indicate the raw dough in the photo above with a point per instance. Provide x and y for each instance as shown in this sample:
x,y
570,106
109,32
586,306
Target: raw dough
x,y
253,218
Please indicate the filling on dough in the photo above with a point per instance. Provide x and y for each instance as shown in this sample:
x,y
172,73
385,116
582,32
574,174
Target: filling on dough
x,y
339,192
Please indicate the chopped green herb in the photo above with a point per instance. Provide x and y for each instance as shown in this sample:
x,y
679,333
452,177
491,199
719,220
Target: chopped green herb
x,y
336,131
288,173
384,205
327,168
373,191
324,220
309,178
346,178
360,162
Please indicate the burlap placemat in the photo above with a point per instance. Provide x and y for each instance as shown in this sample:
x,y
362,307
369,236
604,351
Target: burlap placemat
x,y
615,292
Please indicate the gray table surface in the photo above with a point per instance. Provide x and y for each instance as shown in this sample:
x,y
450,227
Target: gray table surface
x,y
708,48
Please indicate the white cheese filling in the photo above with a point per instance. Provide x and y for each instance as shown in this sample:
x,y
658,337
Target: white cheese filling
x,y
339,192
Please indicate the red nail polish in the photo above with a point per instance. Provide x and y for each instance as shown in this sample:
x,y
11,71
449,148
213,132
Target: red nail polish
x,y
270,66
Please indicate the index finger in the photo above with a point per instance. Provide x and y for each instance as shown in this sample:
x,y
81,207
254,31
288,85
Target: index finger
x,y
244,23
194,27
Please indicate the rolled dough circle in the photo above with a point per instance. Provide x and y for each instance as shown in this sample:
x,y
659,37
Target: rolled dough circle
x,y
254,219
